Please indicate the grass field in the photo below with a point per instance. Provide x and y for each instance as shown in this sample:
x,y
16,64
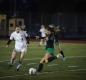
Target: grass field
x,y
73,68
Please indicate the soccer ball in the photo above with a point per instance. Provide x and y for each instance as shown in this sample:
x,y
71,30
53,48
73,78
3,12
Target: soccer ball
x,y
32,71
59,56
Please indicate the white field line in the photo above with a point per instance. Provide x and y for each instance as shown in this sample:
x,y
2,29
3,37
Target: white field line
x,y
73,66
52,64
81,69
31,63
77,70
13,76
72,70
47,65
68,57
41,73
24,59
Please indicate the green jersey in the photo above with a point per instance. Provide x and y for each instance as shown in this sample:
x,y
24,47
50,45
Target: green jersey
x,y
50,41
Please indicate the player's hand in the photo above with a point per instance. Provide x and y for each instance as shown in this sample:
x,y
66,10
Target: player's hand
x,y
7,46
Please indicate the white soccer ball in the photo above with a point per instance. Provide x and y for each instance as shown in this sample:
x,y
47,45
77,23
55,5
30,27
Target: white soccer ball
x,y
59,56
32,71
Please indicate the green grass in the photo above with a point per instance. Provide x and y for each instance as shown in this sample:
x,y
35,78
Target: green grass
x,y
73,68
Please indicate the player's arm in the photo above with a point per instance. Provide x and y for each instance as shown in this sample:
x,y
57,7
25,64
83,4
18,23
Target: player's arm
x,y
27,37
9,41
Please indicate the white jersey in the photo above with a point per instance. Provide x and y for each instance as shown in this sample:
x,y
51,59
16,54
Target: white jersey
x,y
42,30
20,39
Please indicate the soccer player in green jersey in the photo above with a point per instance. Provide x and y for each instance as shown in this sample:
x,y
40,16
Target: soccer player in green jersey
x,y
49,55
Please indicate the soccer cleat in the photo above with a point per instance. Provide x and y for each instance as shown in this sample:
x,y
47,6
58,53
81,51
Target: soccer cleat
x,y
63,58
18,67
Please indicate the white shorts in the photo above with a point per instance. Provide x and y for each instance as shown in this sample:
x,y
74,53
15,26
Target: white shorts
x,y
21,50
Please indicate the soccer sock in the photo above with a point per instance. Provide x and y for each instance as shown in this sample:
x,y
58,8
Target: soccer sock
x,y
52,58
40,67
62,53
19,65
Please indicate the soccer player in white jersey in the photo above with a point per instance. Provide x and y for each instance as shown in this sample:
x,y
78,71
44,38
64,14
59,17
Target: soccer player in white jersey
x,y
43,35
21,40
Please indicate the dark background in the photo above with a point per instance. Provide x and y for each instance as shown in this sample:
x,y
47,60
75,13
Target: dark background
x,y
47,6
69,14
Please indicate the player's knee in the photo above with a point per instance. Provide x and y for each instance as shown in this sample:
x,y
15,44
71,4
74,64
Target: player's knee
x,y
13,56
46,61
21,56
42,60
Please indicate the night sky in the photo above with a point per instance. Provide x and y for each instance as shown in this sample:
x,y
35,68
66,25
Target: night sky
x,y
43,5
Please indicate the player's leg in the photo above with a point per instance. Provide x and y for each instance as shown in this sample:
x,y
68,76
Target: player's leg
x,y
22,54
41,64
61,51
41,42
13,57
47,58
51,56
50,59
21,57
44,41
43,60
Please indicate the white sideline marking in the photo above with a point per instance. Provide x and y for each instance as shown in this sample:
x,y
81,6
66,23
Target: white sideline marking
x,y
72,70
24,59
48,65
53,65
39,73
13,76
72,66
40,58
81,69
78,70
76,57
31,63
